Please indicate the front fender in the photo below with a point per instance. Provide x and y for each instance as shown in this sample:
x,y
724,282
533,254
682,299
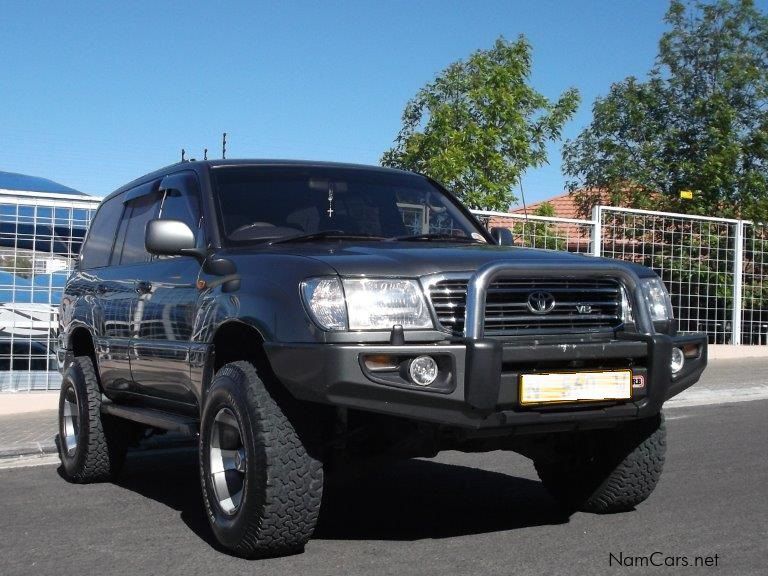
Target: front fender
x,y
266,297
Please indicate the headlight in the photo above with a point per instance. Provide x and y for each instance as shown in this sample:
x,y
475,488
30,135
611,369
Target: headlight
x,y
657,298
371,304
380,304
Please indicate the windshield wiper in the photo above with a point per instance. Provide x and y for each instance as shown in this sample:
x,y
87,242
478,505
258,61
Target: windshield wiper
x,y
435,236
328,234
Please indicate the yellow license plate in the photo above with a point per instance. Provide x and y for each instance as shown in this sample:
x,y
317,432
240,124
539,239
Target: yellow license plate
x,y
575,387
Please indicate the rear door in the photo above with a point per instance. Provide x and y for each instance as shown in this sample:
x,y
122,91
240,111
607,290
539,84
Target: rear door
x,y
167,302
107,297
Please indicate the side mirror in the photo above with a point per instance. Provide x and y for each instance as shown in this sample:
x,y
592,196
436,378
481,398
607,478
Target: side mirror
x,y
502,236
170,238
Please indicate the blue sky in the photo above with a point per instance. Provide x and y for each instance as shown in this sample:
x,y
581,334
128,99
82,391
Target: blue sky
x,y
93,94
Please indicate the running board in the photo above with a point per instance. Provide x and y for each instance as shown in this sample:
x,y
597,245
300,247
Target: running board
x,y
150,417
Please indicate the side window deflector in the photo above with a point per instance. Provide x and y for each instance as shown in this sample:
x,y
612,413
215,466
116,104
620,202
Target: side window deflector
x,y
175,183
140,192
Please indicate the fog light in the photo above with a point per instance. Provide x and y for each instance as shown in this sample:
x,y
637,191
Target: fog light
x,y
678,359
423,370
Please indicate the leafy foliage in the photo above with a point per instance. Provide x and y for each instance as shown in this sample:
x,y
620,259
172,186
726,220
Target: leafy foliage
x,y
699,122
540,234
479,125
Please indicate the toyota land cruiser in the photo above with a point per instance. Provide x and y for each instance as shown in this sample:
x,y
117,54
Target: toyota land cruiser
x,y
301,318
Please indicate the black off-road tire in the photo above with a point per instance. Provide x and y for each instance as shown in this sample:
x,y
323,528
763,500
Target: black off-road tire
x,y
99,451
281,482
606,471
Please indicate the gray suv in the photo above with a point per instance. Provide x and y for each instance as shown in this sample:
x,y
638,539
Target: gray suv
x,y
301,319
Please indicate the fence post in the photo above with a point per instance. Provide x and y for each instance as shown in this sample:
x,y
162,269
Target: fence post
x,y
738,270
597,231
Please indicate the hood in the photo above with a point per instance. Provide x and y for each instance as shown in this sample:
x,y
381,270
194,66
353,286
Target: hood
x,y
415,259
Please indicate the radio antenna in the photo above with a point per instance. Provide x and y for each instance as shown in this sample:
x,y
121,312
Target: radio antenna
x,y
205,153
224,146
182,154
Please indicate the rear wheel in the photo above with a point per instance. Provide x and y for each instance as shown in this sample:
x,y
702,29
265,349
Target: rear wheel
x,y
261,485
92,447
606,471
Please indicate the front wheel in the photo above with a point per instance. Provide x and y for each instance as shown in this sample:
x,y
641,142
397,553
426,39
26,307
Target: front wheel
x,y
261,486
606,471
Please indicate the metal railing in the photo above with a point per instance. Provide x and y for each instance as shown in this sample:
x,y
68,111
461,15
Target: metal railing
x,y
40,237
547,232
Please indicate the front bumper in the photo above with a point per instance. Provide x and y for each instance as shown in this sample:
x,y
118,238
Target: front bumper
x,y
483,388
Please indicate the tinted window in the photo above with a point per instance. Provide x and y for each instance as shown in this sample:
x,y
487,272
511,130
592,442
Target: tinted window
x,y
273,202
142,210
102,233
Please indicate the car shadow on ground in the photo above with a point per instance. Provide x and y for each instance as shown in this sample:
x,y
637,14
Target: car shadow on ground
x,y
409,500
417,499
170,477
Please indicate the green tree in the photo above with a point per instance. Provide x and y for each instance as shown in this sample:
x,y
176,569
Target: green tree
x,y
538,233
479,125
699,122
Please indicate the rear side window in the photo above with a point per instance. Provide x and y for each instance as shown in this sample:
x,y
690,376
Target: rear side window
x,y
101,235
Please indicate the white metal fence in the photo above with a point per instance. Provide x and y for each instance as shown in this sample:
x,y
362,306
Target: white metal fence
x,y
40,236
714,268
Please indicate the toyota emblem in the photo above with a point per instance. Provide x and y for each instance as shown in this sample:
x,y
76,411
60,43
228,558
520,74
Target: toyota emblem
x,y
541,302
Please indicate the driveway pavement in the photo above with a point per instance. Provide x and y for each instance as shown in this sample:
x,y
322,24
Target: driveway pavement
x,y
28,433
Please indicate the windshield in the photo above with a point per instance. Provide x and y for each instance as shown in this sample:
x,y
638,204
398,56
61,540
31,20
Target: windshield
x,y
261,203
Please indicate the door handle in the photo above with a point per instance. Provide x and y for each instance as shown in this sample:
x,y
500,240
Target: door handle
x,y
143,287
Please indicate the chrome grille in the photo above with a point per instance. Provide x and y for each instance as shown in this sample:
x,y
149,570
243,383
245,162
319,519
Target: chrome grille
x,y
581,305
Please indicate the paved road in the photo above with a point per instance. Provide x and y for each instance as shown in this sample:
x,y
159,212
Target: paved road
x,y
457,514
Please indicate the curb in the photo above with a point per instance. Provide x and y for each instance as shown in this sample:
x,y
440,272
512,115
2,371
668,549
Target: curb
x,y
37,449
170,442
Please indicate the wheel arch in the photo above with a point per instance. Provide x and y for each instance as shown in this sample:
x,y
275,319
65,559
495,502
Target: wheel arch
x,y
81,344
233,341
